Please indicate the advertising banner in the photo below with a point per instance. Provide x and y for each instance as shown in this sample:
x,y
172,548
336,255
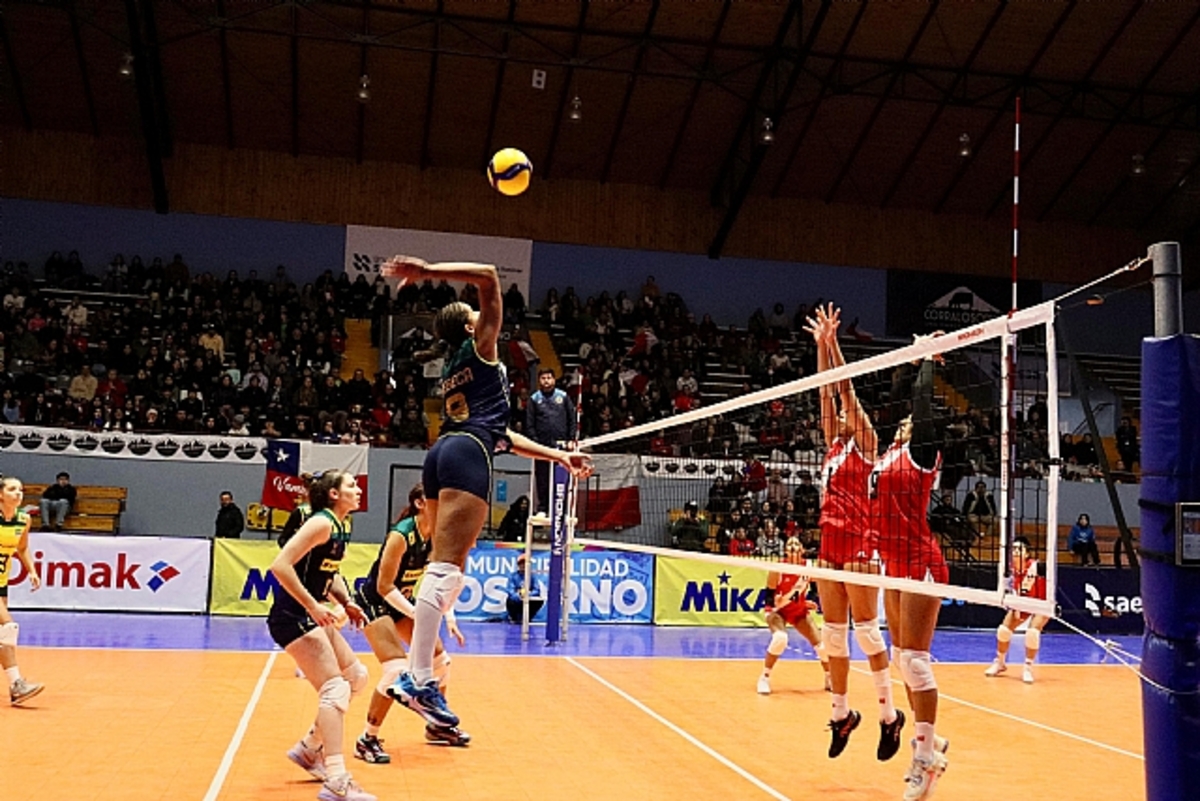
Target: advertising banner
x,y
368,247
113,445
606,586
243,585
122,574
691,593
920,302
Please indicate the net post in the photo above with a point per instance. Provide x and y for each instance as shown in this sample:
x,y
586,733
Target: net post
x,y
556,593
1168,289
1052,477
528,560
1008,451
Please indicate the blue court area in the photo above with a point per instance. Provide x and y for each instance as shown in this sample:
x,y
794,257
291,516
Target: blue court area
x,y
201,632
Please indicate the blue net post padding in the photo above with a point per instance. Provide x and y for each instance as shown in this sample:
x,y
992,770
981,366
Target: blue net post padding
x,y
1170,594
560,484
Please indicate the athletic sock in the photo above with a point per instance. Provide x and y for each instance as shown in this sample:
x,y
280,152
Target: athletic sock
x,y
13,673
427,621
311,740
841,706
334,766
883,689
925,741
371,731
766,674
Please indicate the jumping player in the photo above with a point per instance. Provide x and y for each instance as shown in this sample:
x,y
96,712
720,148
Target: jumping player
x,y
14,541
790,607
848,542
1027,582
458,468
901,483
301,623
386,599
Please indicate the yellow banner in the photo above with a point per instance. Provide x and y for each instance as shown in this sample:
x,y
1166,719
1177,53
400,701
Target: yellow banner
x,y
243,585
690,593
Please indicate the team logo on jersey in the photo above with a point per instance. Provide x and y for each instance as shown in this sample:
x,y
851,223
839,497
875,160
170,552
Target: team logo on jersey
x,y
112,445
167,448
140,446
31,440
219,449
86,443
58,442
193,449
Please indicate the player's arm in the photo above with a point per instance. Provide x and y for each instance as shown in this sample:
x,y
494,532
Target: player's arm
x,y
829,423
856,416
389,565
35,581
485,276
315,531
580,464
924,445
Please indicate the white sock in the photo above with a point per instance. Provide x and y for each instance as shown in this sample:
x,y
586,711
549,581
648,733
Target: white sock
x,y
1001,658
334,766
766,672
841,706
925,741
311,740
371,731
883,689
13,673
427,621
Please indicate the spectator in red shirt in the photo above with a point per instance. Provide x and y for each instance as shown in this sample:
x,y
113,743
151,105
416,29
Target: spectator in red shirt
x,y
755,474
112,388
741,545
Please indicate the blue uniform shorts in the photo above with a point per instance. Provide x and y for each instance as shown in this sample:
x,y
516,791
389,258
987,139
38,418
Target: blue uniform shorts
x,y
461,462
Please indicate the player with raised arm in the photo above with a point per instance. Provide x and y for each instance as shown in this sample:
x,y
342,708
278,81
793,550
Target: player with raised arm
x,y
14,541
386,599
1028,583
300,622
458,468
848,542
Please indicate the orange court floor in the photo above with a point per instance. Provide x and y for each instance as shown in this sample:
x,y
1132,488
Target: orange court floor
x,y
115,725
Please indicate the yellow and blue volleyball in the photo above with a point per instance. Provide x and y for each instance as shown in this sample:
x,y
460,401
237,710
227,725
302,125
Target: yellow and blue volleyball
x,y
509,172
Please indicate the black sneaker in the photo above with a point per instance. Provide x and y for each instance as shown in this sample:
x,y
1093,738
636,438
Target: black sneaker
x,y
889,737
841,732
446,735
370,749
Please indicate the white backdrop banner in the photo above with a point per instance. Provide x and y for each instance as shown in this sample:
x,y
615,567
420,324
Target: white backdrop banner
x,y
111,445
127,574
368,247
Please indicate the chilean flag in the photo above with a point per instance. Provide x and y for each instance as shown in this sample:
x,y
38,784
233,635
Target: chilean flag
x,y
287,461
610,499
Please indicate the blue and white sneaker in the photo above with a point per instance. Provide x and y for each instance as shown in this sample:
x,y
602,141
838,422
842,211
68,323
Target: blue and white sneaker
x,y
427,701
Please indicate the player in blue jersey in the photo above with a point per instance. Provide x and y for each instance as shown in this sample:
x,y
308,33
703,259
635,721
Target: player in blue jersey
x,y
458,469
386,597
302,625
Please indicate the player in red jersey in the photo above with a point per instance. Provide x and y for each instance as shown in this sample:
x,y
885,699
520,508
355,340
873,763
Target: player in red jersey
x,y
1028,583
790,607
902,482
848,542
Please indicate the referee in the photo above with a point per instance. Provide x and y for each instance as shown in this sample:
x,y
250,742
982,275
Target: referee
x,y
550,421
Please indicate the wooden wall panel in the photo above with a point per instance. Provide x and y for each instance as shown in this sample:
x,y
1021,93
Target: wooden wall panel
x,y
241,183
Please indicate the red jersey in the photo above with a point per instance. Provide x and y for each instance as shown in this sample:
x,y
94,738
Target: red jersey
x,y
791,594
844,477
900,490
1028,582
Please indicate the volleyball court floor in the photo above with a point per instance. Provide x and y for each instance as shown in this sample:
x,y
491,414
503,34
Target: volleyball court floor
x,y
175,707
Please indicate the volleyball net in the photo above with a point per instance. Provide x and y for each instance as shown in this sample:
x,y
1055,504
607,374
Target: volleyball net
x,y
742,480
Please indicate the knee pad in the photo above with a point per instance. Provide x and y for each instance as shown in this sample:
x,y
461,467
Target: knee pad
x,y
357,676
778,643
392,669
919,672
1033,639
836,638
1004,633
901,658
8,634
441,669
442,589
870,639
335,694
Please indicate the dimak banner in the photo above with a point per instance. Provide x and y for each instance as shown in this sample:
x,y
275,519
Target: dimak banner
x,y
115,445
242,583
122,574
692,593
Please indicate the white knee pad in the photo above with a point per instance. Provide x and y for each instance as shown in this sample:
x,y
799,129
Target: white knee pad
x,y
335,694
870,639
442,590
392,669
358,677
441,669
1033,639
8,634
919,670
1004,633
778,643
836,638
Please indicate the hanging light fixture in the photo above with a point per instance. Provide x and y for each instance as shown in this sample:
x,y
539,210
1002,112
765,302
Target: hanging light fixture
x,y
964,146
364,89
1138,168
126,68
575,112
766,136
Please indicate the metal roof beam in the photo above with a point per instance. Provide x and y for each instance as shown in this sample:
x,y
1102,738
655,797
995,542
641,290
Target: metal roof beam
x,y
360,142
566,87
222,40
501,68
145,101
630,82
162,114
295,60
431,90
83,70
18,85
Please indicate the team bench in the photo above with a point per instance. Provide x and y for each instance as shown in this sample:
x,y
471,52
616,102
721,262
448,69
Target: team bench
x,y
96,509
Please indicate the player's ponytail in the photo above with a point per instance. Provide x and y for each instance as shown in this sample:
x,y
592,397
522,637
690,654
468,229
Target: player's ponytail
x,y
320,487
417,493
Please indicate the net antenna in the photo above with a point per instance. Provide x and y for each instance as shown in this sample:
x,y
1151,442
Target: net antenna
x,y
668,484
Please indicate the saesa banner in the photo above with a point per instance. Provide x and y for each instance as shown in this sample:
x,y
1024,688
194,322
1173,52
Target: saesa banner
x,y
692,593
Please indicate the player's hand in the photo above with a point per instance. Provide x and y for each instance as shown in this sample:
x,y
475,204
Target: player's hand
x,y
454,631
937,357
405,268
580,464
35,581
358,618
323,616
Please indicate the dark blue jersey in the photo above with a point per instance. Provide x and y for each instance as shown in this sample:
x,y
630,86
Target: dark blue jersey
x,y
475,397
316,568
412,564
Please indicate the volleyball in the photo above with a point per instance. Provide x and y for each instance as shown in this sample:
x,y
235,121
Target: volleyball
x,y
509,172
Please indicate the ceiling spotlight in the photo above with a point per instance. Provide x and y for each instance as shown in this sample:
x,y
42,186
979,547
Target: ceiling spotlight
x,y
1138,168
126,68
767,135
575,113
964,146
364,89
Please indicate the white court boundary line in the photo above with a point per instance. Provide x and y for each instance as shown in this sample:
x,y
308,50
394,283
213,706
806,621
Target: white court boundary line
x,y
235,742
1018,719
724,760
